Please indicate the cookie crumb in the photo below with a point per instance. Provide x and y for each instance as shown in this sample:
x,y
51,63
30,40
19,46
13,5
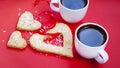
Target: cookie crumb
x,y
19,9
19,14
46,54
4,31
36,11
52,14
3,41
30,33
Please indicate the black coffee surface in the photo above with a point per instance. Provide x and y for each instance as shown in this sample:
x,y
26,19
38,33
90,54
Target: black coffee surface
x,y
74,4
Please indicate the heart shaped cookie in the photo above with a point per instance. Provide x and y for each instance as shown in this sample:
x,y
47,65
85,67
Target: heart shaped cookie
x,y
16,41
27,22
37,41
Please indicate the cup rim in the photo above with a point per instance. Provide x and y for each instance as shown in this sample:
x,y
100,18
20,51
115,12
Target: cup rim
x,y
102,45
75,9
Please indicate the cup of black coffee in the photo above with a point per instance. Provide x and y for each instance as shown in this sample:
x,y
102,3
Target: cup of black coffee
x,y
90,41
72,11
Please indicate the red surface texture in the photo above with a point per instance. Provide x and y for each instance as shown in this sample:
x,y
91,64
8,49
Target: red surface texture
x,y
103,12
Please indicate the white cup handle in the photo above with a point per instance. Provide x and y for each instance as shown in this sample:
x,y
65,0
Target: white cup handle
x,y
54,7
102,57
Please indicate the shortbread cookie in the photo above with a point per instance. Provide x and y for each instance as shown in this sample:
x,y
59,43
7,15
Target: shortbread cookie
x,y
16,40
27,22
37,41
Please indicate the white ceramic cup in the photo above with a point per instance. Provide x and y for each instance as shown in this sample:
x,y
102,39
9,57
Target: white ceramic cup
x,y
69,15
90,52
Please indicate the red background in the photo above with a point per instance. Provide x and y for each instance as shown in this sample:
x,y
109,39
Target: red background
x,y
103,12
